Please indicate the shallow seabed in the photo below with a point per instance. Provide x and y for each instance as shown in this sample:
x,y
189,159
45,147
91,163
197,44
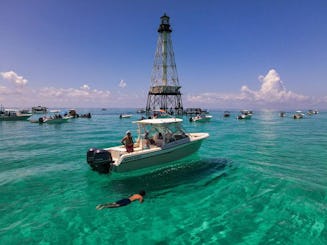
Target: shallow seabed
x,y
258,181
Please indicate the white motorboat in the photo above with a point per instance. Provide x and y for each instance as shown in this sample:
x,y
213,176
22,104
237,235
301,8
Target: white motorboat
x,y
39,110
125,115
298,115
245,114
53,118
201,118
13,114
150,149
312,112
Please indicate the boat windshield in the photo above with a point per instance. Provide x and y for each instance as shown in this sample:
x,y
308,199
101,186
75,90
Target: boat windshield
x,y
167,132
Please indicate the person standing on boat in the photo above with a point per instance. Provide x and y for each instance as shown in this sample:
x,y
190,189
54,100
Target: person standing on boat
x,y
128,142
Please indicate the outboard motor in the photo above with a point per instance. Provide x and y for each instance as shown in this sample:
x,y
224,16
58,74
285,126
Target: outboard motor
x,y
90,157
99,160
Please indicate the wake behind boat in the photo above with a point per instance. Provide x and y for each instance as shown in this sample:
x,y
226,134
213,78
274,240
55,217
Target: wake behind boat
x,y
160,141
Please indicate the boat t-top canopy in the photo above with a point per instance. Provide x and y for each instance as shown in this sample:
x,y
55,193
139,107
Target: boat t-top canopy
x,y
158,121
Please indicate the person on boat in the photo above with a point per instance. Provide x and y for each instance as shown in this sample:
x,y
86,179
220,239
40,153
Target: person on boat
x,y
148,139
128,142
158,138
123,202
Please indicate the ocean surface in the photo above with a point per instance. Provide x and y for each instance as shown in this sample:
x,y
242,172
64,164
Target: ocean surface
x,y
258,181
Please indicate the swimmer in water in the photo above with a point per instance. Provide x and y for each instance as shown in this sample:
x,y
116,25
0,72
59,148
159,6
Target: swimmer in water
x,y
123,202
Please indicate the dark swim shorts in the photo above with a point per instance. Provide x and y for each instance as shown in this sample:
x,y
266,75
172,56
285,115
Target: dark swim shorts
x,y
123,202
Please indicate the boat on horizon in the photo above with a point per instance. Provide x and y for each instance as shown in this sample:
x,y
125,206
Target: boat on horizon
x,y
312,112
201,118
298,115
226,113
39,109
150,149
125,115
13,114
282,114
53,118
245,114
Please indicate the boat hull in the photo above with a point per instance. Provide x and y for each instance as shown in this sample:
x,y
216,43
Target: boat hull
x,y
57,120
201,119
14,118
135,161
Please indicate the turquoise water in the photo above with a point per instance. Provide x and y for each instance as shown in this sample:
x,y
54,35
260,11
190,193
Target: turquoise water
x,y
258,181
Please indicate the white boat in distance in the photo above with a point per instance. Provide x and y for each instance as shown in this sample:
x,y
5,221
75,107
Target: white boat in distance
x,y
150,149
125,115
13,114
298,115
53,118
39,109
245,114
201,118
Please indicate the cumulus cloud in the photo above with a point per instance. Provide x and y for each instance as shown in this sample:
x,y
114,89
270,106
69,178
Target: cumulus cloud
x,y
83,96
13,77
272,90
272,94
122,84
17,93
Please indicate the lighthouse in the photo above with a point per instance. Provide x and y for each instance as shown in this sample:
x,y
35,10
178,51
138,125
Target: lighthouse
x,y
164,93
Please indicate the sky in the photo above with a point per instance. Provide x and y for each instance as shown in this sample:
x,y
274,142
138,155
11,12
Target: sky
x,y
242,54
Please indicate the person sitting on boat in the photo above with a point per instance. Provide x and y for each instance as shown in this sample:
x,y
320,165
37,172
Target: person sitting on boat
x,y
168,137
158,138
148,140
128,142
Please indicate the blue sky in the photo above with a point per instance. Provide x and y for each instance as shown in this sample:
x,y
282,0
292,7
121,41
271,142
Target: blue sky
x,y
229,54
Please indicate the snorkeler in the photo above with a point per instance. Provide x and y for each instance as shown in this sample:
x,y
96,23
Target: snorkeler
x,y
123,202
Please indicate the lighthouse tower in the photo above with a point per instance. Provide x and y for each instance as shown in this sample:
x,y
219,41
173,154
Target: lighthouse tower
x,y
164,92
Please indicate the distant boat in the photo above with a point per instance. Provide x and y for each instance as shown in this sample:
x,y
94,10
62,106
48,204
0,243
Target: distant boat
x,y
125,115
13,114
140,111
226,114
201,118
282,114
245,114
312,112
39,109
298,115
53,118
190,111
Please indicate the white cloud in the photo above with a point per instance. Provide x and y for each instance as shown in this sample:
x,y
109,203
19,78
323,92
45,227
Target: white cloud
x,y
272,90
122,84
14,78
66,97
85,87
272,94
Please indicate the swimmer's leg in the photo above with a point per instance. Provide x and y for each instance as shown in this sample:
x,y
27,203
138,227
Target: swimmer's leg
x,y
120,203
